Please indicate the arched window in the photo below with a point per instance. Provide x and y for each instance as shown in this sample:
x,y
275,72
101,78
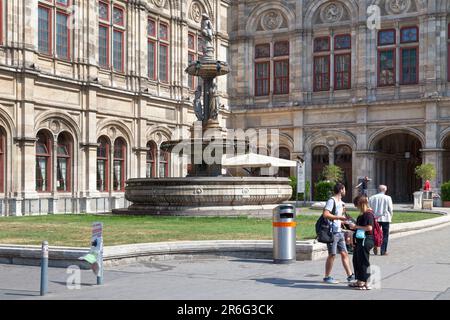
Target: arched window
x,y
150,169
64,162
320,159
2,159
284,154
120,151
43,161
163,164
103,164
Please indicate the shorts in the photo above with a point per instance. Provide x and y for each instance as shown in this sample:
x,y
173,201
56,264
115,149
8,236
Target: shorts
x,y
338,245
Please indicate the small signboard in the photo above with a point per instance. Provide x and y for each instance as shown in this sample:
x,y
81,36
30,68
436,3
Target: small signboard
x,y
300,177
95,255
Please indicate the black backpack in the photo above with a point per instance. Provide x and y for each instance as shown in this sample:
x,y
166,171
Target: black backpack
x,y
324,231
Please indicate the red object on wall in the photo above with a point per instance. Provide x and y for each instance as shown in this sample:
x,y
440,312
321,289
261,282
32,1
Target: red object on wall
x,y
427,186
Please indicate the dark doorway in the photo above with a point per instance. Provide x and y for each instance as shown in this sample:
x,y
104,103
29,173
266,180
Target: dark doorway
x,y
343,159
320,159
396,159
446,160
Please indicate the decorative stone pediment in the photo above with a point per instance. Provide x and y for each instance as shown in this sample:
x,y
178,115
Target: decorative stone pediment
x,y
159,3
332,12
398,6
272,20
196,11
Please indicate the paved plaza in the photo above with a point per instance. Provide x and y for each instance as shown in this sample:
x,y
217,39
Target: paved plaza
x,y
418,267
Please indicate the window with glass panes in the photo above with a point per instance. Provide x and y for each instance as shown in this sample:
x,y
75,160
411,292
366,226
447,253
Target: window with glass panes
x,y
335,49
322,53
53,28
158,49
195,52
64,163
163,164
120,151
43,162
2,159
342,62
111,36
407,47
103,164
1,21
281,67
272,62
150,171
448,52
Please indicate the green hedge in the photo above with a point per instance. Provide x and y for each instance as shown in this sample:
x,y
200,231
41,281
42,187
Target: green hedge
x,y
445,191
293,184
323,191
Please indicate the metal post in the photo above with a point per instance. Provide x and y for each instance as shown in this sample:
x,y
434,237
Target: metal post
x,y
44,268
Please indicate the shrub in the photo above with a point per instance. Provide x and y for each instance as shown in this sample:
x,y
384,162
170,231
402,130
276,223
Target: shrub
x,y
333,174
445,191
301,196
426,171
323,190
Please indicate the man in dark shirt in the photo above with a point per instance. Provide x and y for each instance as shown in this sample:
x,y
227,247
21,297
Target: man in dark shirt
x,y
363,186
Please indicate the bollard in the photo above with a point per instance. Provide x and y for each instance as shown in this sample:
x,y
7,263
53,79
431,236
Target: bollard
x,y
100,271
100,260
44,268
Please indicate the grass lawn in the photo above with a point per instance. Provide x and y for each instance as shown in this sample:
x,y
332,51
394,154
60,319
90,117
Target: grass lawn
x,y
75,230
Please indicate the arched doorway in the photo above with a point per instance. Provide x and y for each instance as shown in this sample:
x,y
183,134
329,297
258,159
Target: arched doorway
x,y
320,159
397,156
343,159
446,160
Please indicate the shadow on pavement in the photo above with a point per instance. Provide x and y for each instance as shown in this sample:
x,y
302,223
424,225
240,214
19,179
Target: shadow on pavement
x,y
81,284
15,292
253,261
302,284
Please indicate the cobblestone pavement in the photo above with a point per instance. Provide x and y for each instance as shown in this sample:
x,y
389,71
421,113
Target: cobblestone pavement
x,y
418,267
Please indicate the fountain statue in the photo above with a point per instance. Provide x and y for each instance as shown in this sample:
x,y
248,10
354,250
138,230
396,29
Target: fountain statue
x,y
205,191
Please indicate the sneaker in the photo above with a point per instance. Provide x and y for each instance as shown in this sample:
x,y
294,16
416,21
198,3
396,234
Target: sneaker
x,y
375,251
351,278
330,280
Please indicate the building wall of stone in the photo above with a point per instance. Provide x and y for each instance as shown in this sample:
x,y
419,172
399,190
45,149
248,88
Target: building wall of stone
x,y
44,92
365,113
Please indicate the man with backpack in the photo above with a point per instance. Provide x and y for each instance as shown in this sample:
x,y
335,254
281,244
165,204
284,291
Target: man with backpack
x,y
383,209
334,212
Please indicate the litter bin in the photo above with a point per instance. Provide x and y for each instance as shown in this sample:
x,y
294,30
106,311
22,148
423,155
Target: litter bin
x,y
284,234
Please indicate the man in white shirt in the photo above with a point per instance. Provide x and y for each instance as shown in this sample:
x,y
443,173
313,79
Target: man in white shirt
x,y
383,210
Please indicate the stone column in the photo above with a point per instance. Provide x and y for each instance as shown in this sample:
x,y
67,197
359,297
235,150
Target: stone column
x,y
25,184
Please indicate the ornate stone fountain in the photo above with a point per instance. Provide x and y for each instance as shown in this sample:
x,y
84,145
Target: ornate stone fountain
x,y
205,191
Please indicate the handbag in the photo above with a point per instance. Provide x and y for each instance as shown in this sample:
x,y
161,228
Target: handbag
x,y
361,234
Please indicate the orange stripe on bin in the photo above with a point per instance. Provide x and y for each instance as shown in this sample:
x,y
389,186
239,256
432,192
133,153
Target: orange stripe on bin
x,y
284,224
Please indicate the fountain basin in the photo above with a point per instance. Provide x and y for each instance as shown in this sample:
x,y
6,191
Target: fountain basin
x,y
206,196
